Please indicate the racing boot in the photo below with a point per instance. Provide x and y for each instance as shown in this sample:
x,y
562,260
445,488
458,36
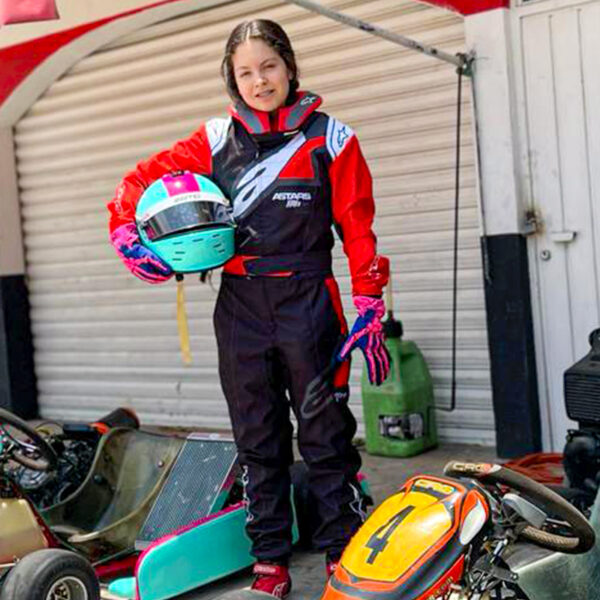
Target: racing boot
x,y
330,567
271,579
331,563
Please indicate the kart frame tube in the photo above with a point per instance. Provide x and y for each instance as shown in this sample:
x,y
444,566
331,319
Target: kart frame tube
x,y
460,61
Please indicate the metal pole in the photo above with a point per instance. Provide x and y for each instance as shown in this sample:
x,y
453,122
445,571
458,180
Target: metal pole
x,y
456,60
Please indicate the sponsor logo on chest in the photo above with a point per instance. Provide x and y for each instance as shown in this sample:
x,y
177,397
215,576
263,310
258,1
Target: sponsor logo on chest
x,y
292,199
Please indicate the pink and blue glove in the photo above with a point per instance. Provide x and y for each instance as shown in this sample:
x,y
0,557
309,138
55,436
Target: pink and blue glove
x,y
367,334
142,262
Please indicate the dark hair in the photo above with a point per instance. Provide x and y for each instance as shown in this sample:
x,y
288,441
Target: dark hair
x,y
274,36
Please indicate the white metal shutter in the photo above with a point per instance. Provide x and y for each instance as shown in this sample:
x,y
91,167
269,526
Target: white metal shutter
x,y
103,338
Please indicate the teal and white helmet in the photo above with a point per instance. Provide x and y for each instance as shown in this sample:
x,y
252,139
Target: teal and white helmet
x,y
185,219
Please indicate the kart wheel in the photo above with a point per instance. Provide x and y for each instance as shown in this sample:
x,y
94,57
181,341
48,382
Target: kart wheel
x,y
51,575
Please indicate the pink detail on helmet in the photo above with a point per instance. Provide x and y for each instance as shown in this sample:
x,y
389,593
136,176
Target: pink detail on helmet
x,y
180,183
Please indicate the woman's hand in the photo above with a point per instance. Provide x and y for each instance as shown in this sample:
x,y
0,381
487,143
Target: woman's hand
x,y
143,263
367,334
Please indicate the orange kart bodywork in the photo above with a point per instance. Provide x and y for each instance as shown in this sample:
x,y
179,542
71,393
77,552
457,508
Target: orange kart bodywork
x,y
413,546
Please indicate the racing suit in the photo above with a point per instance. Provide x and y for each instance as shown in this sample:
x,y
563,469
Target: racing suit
x,y
278,318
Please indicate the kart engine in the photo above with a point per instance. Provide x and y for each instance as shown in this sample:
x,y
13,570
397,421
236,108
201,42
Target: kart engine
x,y
75,449
582,400
75,445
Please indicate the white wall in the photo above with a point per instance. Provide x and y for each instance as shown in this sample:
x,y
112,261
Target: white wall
x,y
488,35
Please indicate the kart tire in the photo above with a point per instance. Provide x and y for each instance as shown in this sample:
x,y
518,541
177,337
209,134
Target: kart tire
x,y
44,574
303,504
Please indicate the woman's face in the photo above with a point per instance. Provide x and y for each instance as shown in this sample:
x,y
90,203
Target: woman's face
x,y
261,75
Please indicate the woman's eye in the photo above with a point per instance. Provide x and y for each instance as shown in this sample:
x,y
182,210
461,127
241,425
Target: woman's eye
x,y
244,74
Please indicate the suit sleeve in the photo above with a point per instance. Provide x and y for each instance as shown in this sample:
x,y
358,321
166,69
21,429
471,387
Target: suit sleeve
x,y
353,210
191,154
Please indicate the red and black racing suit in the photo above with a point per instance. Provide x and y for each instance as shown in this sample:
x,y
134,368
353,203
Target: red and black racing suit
x,y
278,317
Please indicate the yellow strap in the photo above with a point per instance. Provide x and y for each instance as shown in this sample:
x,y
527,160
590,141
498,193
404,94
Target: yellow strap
x,y
182,324
389,296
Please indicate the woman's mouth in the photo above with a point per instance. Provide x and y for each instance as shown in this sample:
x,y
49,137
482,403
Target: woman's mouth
x,y
264,94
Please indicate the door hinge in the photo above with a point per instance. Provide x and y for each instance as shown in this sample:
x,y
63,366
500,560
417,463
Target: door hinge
x,y
533,222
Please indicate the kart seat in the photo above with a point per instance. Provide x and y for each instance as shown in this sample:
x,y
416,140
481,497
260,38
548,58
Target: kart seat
x,y
103,516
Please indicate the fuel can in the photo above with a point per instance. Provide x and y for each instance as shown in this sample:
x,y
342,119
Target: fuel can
x,y
400,414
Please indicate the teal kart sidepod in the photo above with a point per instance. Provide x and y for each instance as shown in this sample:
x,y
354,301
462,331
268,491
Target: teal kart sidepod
x,y
196,555
210,548
185,219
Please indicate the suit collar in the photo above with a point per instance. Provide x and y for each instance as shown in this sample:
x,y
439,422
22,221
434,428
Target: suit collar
x,y
287,118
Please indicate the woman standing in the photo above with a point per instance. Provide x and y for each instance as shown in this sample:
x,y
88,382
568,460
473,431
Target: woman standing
x,y
291,172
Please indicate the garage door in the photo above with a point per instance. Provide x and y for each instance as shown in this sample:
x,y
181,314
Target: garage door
x,y
102,338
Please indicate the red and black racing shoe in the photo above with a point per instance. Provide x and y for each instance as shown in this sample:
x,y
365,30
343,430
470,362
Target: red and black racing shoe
x,y
332,559
272,579
330,567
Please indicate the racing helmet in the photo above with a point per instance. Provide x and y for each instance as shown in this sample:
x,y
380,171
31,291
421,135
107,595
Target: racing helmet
x,y
185,219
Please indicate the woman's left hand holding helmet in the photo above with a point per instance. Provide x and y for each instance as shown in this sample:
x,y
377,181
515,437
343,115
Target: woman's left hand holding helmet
x,y
367,334
141,261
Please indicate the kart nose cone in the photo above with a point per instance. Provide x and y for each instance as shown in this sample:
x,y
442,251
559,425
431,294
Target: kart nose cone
x,y
331,593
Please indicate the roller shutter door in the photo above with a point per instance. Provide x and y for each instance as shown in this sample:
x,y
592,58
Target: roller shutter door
x,y
102,338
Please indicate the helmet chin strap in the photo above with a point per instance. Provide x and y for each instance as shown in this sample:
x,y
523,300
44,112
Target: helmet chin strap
x,y
182,322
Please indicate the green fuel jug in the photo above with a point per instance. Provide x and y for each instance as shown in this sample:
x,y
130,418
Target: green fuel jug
x,y
400,414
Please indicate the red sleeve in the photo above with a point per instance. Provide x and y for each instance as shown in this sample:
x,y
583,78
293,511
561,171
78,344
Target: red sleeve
x,y
192,154
353,213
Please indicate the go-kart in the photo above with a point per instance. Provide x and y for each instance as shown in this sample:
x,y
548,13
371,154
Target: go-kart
x,y
70,496
88,503
482,533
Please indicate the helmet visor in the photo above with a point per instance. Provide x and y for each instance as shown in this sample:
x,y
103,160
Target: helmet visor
x,y
185,216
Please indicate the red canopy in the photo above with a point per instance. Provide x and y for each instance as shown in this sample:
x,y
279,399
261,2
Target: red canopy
x,y
19,61
469,7
24,11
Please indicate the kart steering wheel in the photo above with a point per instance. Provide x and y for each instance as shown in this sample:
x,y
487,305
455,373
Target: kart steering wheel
x,y
20,450
583,537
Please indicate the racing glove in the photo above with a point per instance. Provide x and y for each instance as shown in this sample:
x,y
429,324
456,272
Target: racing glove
x,y
367,334
143,263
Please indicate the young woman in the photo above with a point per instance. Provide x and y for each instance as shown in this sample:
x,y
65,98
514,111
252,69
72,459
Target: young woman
x,y
291,173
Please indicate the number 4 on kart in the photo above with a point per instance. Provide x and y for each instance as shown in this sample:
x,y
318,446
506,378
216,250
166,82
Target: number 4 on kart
x,y
377,544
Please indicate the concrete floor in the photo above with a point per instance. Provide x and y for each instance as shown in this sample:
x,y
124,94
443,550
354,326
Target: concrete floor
x,y
385,476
